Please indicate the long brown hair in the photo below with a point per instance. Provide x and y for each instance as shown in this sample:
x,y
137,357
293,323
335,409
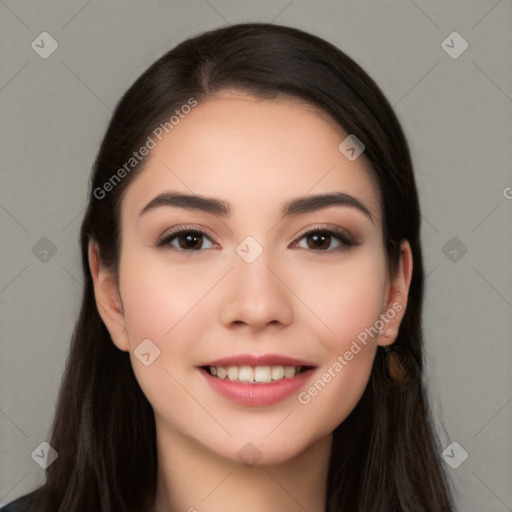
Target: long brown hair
x,y
385,455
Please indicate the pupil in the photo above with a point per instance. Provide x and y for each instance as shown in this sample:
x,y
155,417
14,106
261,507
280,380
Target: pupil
x,y
316,238
190,240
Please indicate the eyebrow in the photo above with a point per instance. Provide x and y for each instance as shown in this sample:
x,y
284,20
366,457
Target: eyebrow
x,y
222,208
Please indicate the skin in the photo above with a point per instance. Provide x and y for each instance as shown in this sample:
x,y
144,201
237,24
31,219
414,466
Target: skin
x,y
294,299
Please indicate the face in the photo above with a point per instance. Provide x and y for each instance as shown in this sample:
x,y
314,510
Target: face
x,y
253,291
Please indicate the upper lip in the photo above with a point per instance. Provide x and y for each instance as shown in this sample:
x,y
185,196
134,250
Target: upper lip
x,y
258,360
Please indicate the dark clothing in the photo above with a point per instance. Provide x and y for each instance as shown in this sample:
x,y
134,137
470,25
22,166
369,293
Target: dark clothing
x,y
16,505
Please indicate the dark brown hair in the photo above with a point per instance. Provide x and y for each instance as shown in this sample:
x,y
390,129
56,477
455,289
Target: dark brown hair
x,y
385,455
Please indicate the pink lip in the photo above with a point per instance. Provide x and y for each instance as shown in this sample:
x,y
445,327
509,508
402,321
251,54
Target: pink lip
x,y
258,360
259,394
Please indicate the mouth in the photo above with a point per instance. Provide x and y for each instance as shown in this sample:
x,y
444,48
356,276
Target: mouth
x,y
257,380
255,375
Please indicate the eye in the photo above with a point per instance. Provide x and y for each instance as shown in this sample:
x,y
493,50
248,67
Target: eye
x,y
189,240
319,239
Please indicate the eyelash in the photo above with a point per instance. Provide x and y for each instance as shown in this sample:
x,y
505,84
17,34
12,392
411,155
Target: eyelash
x,y
342,236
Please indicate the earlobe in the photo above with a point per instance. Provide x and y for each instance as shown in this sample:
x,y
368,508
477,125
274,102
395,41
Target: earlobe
x,y
398,292
108,300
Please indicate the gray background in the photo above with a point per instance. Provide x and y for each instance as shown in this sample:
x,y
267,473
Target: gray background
x,y
456,113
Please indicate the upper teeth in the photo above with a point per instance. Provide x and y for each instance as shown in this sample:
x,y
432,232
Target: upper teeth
x,y
257,374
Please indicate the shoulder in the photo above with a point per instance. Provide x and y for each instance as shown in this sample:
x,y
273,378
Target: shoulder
x,y
17,504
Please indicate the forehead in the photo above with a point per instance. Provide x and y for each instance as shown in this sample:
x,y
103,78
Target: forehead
x,y
252,151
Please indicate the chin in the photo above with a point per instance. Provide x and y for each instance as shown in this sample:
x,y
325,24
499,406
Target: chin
x,y
267,451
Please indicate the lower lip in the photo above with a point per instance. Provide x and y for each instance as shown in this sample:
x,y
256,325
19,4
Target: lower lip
x,y
260,394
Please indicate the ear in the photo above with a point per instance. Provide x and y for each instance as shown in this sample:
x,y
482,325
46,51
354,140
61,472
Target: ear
x,y
396,297
108,300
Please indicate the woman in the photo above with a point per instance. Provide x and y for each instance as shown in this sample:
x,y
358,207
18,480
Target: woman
x,y
250,334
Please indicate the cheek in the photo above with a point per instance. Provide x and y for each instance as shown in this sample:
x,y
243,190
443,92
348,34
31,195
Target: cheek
x,y
346,297
159,297
348,302
159,306
167,304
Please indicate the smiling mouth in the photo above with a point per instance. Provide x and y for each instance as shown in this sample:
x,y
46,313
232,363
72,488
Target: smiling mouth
x,y
255,374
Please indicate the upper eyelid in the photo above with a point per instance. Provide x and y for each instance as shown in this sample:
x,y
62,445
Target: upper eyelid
x,y
184,228
324,227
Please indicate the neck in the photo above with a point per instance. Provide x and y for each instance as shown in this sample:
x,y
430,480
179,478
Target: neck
x,y
193,479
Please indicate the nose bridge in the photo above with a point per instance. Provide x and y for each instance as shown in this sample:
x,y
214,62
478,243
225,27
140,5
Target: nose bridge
x,y
255,292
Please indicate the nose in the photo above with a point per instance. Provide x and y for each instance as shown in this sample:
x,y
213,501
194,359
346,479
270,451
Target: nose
x,y
256,295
